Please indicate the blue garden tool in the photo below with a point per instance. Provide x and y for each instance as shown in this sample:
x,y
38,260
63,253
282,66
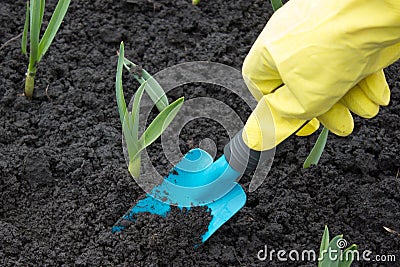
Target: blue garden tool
x,y
195,181
198,180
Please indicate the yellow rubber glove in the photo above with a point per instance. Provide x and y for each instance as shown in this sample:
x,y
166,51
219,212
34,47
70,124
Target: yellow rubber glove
x,y
329,56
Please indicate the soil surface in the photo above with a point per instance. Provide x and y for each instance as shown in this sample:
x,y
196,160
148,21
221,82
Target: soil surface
x,y
63,177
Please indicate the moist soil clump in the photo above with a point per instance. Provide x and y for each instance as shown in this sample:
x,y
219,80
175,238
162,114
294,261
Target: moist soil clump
x,y
63,177
142,242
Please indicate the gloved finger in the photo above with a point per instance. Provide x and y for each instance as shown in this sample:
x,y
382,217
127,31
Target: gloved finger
x,y
309,128
266,128
291,104
376,88
259,71
358,102
338,120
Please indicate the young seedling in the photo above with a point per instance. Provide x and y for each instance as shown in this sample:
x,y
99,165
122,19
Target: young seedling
x,y
130,120
318,148
333,254
38,47
276,4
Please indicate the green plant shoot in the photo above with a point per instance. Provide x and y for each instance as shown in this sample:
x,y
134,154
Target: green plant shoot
x,y
25,32
317,149
154,90
333,254
38,47
130,120
276,4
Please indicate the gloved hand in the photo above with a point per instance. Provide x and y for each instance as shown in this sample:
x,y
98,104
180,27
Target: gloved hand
x,y
328,55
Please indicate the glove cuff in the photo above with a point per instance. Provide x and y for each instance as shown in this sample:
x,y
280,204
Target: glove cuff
x,y
242,158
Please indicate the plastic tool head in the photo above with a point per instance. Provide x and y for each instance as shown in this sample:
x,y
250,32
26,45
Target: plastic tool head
x,y
195,181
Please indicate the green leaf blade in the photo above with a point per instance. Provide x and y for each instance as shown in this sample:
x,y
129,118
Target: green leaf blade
x,y
130,140
34,32
324,245
25,32
118,85
54,25
316,152
130,126
348,256
42,5
159,124
336,251
136,109
154,90
276,4
124,115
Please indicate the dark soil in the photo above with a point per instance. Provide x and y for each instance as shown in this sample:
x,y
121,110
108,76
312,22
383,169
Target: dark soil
x,y
64,181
